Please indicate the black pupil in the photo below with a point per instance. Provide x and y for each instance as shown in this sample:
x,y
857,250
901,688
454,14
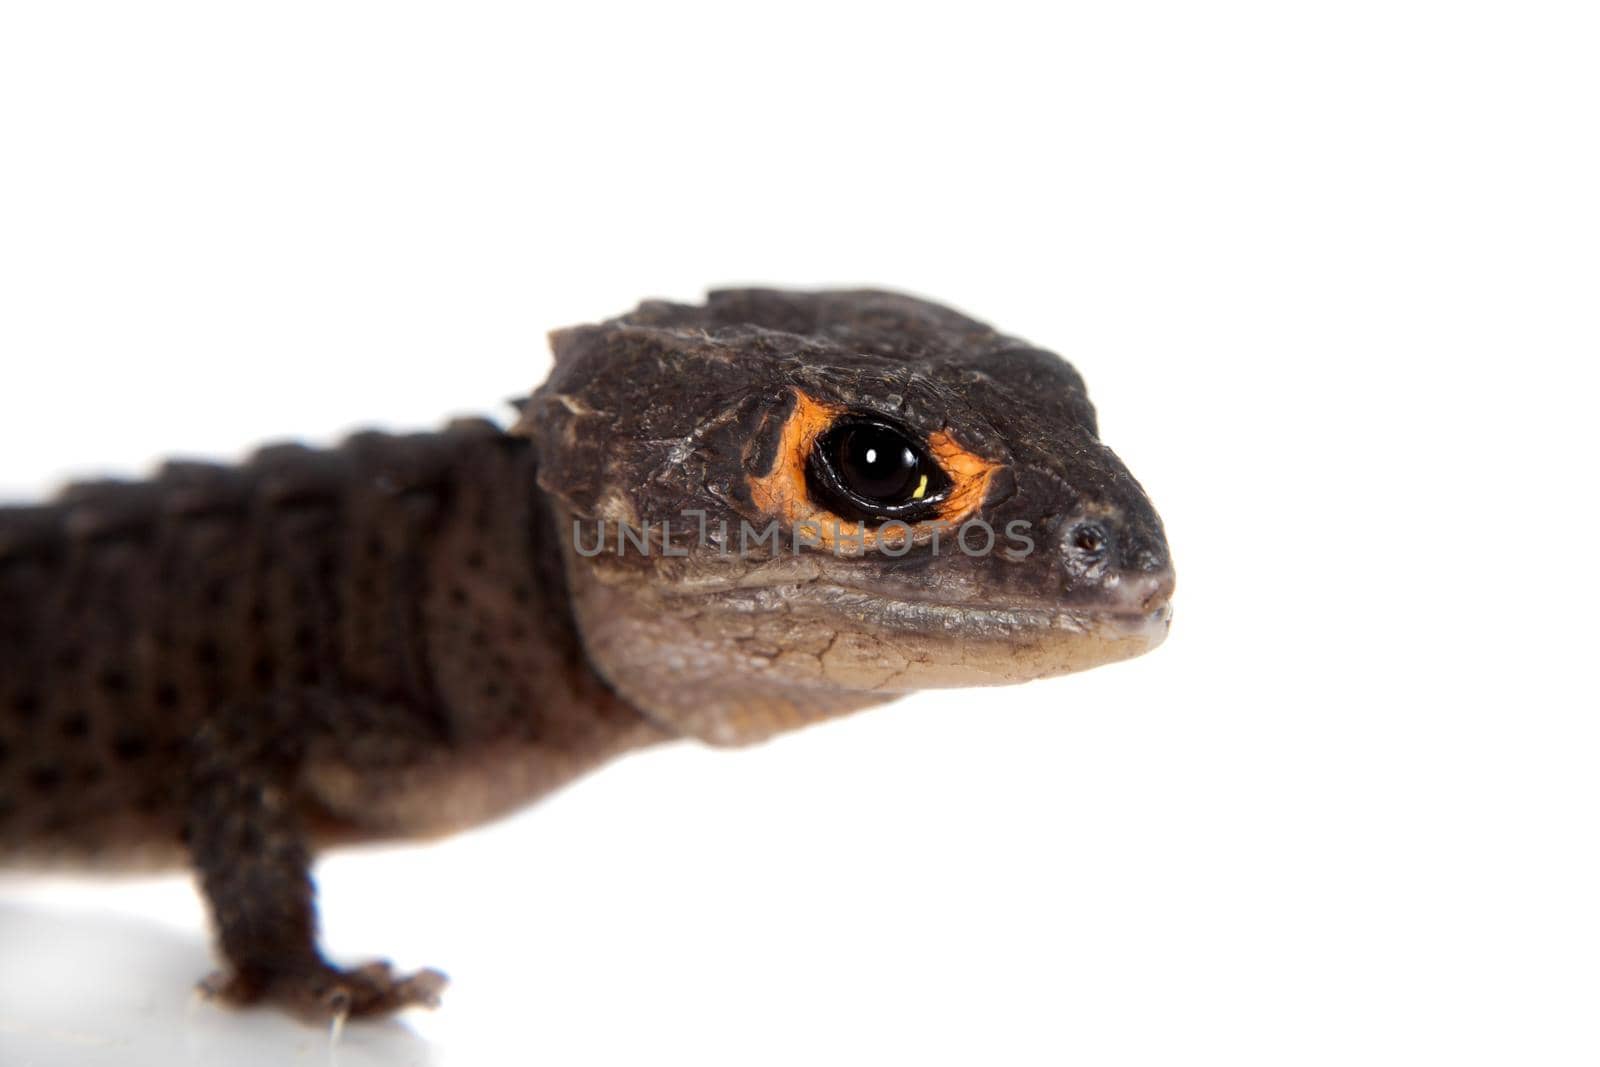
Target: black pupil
x,y
878,464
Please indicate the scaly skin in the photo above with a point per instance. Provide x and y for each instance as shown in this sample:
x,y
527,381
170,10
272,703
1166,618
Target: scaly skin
x,y
402,637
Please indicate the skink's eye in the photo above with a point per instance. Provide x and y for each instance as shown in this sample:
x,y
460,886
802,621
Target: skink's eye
x,y
864,469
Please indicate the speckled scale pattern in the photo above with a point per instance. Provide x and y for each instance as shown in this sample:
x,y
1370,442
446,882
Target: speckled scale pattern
x,y
314,646
396,572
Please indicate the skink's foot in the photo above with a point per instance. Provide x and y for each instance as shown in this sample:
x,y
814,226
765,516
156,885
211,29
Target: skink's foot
x,y
320,993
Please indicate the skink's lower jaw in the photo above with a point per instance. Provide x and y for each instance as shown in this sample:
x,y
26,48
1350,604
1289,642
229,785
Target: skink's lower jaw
x,y
984,650
967,644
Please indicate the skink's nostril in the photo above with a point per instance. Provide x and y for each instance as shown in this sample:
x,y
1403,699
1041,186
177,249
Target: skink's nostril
x,y
1090,538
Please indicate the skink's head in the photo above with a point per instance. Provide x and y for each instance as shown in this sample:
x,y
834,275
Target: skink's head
x,y
781,506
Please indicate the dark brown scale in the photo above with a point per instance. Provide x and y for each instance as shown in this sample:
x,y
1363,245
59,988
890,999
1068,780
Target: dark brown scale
x,y
133,612
314,646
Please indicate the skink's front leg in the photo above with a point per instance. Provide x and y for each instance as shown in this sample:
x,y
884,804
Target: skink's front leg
x,y
248,845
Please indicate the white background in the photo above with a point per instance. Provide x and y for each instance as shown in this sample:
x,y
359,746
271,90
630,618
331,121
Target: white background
x,y
1331,272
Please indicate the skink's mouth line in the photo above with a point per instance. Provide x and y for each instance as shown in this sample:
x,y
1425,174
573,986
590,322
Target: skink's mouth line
x,y
920,615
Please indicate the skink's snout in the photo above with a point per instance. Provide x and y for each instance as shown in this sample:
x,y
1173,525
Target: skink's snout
x,y
1142,592
1116,567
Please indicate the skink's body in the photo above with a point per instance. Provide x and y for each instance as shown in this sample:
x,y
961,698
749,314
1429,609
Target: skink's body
x,y
407,635
397,604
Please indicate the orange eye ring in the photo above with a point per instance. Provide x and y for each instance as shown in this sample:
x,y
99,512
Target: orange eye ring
x,y
783,493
